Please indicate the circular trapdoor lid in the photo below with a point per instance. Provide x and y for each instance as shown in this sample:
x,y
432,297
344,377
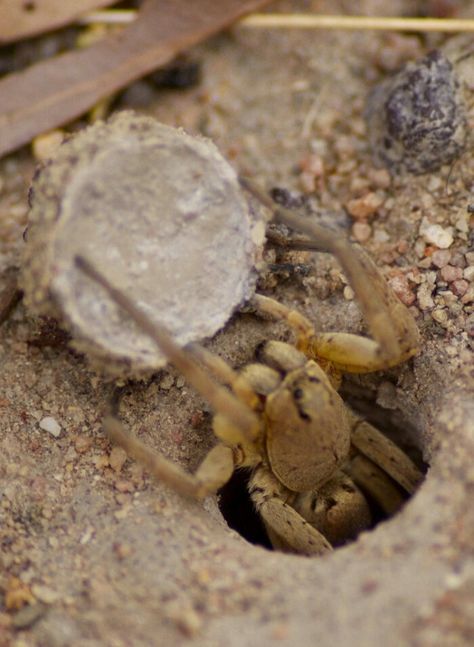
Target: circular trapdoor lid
x,y
162,215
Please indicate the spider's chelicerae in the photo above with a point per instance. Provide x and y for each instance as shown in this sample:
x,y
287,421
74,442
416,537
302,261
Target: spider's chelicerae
x,y
311,457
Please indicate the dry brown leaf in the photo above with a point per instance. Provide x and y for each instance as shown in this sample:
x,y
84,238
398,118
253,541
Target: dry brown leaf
x,y
60,89
24,18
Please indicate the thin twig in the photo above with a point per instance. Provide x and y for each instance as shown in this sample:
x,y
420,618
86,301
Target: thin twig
x,y
310,21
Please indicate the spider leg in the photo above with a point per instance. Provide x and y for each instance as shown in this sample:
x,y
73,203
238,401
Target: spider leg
x,y
345,351
243,420
218,367
298,322
286,528
215,470
375,482
371,443
390,322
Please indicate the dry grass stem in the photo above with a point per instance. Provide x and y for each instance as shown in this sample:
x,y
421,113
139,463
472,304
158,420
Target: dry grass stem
x,y
310,21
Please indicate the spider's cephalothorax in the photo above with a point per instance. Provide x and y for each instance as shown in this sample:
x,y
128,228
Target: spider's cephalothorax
x,y
312,459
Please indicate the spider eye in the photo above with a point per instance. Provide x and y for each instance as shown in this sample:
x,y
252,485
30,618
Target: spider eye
x,y
298,394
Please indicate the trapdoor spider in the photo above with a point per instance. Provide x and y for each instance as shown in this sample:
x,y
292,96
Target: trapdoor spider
x,y
283,417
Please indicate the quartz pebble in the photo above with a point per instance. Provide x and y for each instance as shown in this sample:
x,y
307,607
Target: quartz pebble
x,y
437,235
348,293
50,425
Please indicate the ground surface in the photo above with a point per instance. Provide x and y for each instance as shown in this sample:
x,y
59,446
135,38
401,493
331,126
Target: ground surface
x,y
93,552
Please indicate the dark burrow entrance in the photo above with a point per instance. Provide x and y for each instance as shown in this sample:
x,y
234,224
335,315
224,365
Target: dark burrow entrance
x,y
239,511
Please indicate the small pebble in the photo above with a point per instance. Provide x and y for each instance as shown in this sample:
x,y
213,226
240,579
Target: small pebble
x,y
307,182
117,458
365,207
459,287
462,223
435,234
450,273
361,231
434,184
440,316
101,461
345,146
50,425
402,246
440,257
424,296
387,395
468,273
44,146
380,178
312,169
82,444
359,185
348,293
44,593
381,236
425,263
402,289
458,260
166,382
347,167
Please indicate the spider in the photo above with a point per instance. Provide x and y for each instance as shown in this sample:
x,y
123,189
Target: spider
x,y
310,457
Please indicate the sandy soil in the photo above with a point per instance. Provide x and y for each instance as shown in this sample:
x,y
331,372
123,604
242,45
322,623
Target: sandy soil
x,y
95,553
